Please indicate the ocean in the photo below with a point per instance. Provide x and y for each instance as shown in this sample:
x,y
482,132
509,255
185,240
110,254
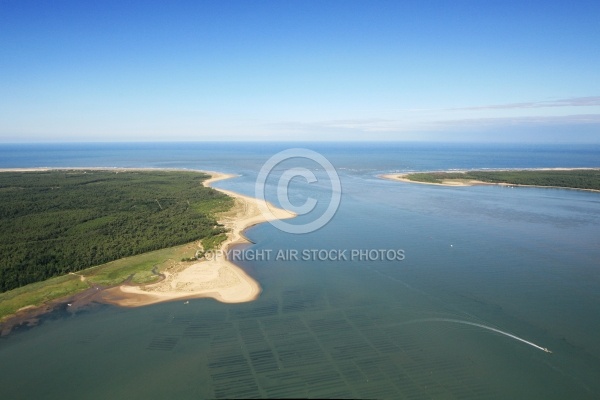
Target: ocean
x,y
488,276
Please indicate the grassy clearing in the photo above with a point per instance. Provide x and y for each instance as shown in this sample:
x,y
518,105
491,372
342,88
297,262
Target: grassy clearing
x,y
139,268
213,242
35,294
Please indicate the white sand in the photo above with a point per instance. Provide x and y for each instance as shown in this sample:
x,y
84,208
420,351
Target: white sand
x,y
445,182
472,182
218,277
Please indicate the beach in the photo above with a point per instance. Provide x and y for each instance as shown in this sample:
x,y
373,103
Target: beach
x,y
520,261
216,277
402,177
446,182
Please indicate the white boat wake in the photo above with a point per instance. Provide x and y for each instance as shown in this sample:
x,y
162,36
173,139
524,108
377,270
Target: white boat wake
x,y
489,328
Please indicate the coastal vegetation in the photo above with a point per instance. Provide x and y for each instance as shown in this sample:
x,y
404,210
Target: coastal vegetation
x,y
57,222
140,269
575,178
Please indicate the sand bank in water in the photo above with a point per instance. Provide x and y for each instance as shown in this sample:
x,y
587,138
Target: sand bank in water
x,y
218,277
445,182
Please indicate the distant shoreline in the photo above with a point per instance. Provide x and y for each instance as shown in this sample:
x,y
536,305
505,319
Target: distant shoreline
x,y
460,182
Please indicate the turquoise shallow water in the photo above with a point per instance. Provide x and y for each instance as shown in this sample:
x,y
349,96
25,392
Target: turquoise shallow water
x,y
522,260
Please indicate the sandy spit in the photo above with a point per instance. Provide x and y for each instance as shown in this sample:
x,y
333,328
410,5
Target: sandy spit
x,y
401,177
448,182
218,277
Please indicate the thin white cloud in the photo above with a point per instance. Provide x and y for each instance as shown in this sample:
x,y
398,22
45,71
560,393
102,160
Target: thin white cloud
x,y
579,119
389,125
576,128
571,102
344,125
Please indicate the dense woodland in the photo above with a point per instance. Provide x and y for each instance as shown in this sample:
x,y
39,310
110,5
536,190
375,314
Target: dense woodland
x,y
579,179
56,222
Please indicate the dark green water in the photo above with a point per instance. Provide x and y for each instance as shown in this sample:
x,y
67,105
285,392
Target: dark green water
x,y
524,261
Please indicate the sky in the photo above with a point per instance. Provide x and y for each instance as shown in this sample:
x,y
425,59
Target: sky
x,y
454,70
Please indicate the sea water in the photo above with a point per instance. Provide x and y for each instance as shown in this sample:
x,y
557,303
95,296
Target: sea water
x,y
520,260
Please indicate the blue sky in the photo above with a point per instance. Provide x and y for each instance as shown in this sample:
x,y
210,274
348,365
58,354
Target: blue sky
x,y
485,71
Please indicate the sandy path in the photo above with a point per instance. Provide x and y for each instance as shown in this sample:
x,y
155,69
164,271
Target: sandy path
x,y
218,277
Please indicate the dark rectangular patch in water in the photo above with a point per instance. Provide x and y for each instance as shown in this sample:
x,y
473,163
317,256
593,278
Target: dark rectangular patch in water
x,y
237,389
198,330
263,361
